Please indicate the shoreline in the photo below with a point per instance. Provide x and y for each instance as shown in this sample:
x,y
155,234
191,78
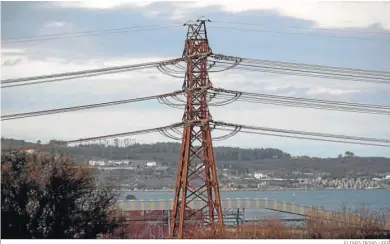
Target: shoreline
x,y
265,190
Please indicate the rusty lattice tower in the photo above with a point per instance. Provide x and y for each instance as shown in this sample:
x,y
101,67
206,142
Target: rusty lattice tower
x,y
196,173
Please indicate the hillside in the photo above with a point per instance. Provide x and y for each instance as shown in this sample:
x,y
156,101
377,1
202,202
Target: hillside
x,y
262,159
168,151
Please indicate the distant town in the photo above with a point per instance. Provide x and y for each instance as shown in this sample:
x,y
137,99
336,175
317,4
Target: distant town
x,y
142,175
152,167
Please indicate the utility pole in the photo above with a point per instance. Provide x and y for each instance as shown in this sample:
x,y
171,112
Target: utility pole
x,y
196,173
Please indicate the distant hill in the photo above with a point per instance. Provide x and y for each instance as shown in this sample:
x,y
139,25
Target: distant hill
x,y
161,149
9,143
263,159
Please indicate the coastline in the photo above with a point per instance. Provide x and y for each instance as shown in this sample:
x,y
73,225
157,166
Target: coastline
x,y
262,190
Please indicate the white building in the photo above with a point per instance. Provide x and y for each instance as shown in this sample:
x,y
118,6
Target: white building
x,y
117,162
96,163
162,168
387,177
259,175
151,164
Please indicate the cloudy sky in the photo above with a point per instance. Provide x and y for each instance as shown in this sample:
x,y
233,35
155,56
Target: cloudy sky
x,y
354,35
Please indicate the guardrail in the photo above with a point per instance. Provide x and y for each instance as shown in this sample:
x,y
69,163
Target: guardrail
x,y
228,203
250,203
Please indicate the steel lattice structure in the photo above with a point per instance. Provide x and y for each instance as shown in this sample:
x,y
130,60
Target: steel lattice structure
x,y
196,173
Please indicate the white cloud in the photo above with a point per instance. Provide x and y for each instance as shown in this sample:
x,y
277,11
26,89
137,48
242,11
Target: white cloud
x,y
101,4
11,51
324,13
323,90
329,14
55,24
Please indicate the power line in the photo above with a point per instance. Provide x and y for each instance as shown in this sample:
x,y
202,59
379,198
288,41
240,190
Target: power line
x,y
78,74
115,68
314,106
66,143
83,107
255,64
304,138
255,129
304,133
315,74
281,72
76,77
87,32
243,96
299,65
297,69
137,132
303,67
304,28
229,96
168,25
298,33
303,102
118,31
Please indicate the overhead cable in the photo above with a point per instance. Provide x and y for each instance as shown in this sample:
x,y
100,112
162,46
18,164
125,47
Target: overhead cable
x,y
305,69
75,77
298,33
303,133
91,71
101,71
304,138
83,107
233,128
226,96
300,65
66,143
301,102
86,33
304,28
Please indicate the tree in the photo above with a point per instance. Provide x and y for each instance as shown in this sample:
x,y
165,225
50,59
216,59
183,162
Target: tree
x,y
51,197
349,154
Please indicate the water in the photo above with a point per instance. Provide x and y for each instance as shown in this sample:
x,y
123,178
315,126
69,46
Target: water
x,y
329,199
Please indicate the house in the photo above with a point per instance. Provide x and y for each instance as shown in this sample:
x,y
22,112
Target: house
x,y
162,168
96,163
259,175
117,162
151,164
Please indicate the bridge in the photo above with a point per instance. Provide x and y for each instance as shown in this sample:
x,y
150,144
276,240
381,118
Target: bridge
x,y
227,203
